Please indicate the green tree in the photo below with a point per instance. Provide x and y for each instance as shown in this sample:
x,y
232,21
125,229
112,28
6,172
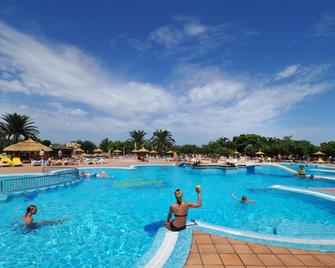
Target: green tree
x,y
162,140
87,146
188,149
328,148
3,141
105,145
14,126
249,150
46,142
243,140
138,137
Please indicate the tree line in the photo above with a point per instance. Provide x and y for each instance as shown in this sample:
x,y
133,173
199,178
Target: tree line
x,y
15,127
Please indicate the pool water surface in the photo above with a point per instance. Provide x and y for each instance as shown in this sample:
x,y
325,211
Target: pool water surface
x,y
109,217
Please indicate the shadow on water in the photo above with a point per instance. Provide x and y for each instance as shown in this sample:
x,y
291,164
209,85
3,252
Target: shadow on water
x,y
30,196
153,227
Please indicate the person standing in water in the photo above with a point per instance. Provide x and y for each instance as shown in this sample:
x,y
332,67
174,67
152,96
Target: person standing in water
x,y
180,210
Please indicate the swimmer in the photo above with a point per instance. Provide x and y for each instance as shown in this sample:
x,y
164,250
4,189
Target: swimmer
x,y
29,221
86,174
102,174
180,210
243,199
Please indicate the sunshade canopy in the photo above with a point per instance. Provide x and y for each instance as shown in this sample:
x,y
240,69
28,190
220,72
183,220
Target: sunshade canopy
x,y
28,145
143,150
319,153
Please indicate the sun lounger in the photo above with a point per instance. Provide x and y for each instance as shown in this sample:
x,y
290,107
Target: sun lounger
x,y
36,163
16,162
6,162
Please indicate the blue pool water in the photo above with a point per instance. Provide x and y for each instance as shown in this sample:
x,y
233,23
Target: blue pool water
x,y
113,220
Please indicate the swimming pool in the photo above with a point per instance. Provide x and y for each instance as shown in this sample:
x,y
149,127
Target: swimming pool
x,y
108,217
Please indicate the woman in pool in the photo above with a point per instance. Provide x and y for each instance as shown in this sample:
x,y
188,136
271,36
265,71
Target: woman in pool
x,y
29,221
180,211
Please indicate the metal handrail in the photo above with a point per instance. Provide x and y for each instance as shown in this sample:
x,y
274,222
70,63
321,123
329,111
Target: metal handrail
x,y
33,182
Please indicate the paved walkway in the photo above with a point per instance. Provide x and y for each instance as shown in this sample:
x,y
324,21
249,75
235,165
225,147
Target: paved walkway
x,y
210,251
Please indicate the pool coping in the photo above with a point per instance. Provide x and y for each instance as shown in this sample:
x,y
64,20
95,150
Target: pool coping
x,y
306,191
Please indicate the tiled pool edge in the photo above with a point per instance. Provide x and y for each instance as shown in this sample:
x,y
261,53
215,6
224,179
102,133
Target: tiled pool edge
x,y
308,244
183,244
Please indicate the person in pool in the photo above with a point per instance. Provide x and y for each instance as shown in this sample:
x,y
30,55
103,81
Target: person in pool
x,y
29,221
243,199
102,174
179,210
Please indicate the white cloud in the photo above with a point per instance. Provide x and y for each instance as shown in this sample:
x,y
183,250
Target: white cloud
x,y
82,99
325,27
288,71
63,71
194,29
167,36
188,36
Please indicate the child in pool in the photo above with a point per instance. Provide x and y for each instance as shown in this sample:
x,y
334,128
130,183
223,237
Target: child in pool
x,y
29,221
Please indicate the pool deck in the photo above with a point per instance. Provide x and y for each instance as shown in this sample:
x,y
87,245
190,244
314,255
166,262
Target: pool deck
x,y
211,251
28,168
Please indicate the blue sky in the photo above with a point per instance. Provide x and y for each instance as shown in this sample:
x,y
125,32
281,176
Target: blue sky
x,y
96,69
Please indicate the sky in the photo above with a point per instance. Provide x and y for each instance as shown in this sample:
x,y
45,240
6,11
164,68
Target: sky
x,y
200,69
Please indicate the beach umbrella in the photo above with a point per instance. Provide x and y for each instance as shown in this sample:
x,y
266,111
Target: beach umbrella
x,y
143,150
153,152
78,150
73,145
171,152
134,151
117,151
319,153
259,153
98,151
28,145
236,153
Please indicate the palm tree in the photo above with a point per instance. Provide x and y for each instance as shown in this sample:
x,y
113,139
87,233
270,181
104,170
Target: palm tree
x,y
162,140
137,136
16,125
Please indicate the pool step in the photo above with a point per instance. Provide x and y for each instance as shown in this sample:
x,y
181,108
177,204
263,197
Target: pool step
x,y
164,251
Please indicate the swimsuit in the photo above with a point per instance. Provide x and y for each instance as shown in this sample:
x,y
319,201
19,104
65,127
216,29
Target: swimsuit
x,y
177,229
180,215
